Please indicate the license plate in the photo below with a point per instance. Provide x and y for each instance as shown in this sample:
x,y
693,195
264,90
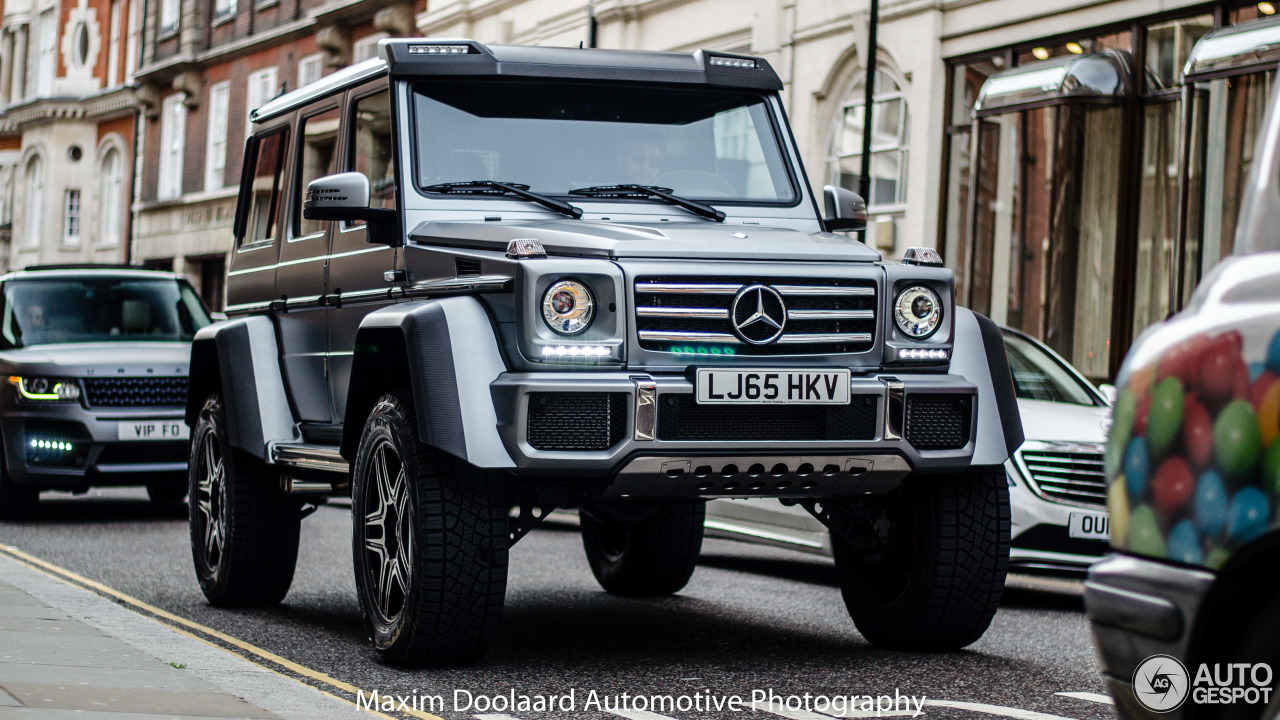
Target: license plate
x,y
154,430
1089,526
795,387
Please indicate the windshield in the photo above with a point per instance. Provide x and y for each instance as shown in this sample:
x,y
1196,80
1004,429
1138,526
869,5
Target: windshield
x,y
107,309
1037,375
556,137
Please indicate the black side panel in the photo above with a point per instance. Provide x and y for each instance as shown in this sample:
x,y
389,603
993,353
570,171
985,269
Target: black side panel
x,y
434,387
239,390
1002,383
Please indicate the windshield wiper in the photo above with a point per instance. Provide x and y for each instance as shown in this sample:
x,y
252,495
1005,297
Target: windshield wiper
x,y
493,187
608,191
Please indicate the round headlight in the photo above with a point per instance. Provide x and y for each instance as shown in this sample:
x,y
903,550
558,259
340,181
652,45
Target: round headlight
x,y
918,311
568,307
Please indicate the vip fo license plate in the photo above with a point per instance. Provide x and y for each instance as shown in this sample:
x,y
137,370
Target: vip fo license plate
x,y
795,387
1089,526
154,430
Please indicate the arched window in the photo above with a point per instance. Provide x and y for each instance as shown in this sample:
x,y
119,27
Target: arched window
x,y
110,184
888,142
35,202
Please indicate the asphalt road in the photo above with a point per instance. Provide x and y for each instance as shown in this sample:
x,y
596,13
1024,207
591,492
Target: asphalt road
x,y
751,619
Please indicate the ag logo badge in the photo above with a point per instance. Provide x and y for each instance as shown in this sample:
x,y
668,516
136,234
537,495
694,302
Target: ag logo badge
x,y
1161,683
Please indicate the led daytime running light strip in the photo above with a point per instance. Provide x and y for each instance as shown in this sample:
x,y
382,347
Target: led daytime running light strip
x,y
922,354
572,351
51,445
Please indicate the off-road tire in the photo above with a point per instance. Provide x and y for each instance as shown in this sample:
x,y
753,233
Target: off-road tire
x,y
16,502
447,610
254,560
652,556
938,582
1259,644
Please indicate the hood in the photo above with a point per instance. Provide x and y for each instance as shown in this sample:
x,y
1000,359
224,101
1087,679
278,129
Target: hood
x,y
1063,422
104,359
697,240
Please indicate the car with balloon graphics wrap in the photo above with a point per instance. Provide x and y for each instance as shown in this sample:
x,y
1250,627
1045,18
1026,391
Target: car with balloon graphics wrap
x,y
1193,462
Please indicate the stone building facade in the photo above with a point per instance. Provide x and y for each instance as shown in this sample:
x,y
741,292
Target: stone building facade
x,y
67,125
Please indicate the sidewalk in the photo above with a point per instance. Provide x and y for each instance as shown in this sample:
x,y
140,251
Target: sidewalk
x,y
68,653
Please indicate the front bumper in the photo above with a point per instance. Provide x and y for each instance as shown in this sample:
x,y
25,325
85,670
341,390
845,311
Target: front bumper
x,y
1139,608
641,462
1041,535
98,457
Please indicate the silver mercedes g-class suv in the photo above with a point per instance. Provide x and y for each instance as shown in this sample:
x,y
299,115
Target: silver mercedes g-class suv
x,y
471,284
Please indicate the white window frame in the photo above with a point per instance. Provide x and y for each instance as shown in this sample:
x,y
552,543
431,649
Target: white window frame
x,y
46,52
366,47
111,185
855,100
113,52
261,88
170,15
310,69
223,9
72,215
33,179
173,131
215,148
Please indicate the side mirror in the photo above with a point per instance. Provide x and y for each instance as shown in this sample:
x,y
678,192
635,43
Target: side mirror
x,y
845,210
1109,393
345,197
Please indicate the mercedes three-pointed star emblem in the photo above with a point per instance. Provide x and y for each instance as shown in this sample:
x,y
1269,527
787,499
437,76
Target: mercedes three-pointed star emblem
x,y
758,314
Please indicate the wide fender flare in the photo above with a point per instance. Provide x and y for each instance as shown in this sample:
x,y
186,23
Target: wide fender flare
x,y
240,360
979,357
450,352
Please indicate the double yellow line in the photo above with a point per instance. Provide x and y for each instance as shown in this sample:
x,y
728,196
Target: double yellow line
x,y
345,692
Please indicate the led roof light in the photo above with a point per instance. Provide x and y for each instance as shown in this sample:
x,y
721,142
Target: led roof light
x,y
439,49
732,61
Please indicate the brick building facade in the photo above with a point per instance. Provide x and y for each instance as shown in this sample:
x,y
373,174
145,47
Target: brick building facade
x,y
205,65
67,121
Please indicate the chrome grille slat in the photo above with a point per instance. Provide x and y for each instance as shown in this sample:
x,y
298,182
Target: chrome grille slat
x,y
1076,477
709,313
823,315
830,314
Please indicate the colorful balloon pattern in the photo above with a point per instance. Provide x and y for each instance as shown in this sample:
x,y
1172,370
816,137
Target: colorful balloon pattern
x,y
1193,458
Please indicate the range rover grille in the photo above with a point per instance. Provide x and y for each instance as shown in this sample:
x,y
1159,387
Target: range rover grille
x,y
823,315
1071,476
135,391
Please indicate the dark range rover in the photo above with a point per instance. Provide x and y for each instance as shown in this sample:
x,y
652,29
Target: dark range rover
x,y
96,361
471,284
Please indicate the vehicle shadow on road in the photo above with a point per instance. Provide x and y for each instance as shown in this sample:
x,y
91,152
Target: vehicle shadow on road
x,y
61,508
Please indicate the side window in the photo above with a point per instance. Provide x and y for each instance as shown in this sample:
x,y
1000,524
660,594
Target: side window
x,y
373,154
319,157
263,218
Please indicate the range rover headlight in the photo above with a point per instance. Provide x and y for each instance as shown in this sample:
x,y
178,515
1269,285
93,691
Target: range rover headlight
x,y
46,389
918,312
568,307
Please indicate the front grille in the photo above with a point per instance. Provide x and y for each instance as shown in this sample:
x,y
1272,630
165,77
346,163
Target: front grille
x,y
680,417
135,391
692,314
938,422
1062,475
576,421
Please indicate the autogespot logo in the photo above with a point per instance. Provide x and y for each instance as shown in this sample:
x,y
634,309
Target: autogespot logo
x,y
1161,683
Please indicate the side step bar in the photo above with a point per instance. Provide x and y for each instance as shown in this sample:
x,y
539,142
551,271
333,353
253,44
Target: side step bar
x,y
310,457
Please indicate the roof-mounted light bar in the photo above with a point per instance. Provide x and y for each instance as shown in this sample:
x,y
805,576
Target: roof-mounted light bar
x,y
734,62
440,49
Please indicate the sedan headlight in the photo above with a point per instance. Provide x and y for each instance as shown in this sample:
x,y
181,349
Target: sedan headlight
x,y
568,307
918,312
46,389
